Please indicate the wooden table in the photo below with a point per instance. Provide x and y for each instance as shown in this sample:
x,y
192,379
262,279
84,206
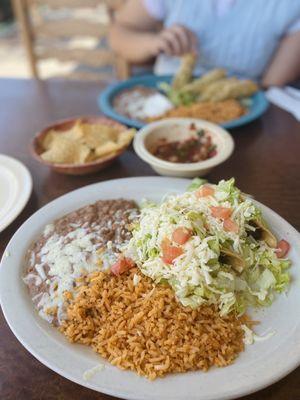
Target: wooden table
x,y
266,163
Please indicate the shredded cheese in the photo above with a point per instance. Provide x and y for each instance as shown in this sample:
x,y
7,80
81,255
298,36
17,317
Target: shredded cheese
x,y
65,258
89,373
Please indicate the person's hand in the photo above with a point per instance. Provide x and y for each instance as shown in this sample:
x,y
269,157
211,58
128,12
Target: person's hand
x,y
175,41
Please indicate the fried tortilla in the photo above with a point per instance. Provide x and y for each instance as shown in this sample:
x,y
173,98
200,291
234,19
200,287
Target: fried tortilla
x,y
197,86
233,259
185,72
263,232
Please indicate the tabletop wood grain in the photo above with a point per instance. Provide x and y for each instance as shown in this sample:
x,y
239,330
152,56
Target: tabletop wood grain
x,y
266,163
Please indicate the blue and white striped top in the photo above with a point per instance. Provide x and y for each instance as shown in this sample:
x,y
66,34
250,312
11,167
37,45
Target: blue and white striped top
x,y
242,39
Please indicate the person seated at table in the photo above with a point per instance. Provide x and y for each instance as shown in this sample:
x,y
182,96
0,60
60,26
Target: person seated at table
x,y
255,39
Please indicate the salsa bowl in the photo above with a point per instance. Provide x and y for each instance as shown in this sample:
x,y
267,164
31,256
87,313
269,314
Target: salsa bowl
x,y
179,129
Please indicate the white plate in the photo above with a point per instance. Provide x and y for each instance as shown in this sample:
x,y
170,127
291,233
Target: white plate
x,y
260,365
15,189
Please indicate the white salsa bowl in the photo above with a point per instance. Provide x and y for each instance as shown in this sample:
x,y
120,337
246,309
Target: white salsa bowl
x,y
176,129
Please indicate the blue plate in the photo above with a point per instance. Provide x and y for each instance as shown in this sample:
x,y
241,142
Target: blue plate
x,y
258,105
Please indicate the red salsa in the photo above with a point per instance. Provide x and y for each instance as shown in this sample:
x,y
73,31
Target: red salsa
x,y
196,148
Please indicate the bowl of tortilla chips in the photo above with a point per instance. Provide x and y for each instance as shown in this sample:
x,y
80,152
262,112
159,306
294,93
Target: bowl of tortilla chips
x,y
82,145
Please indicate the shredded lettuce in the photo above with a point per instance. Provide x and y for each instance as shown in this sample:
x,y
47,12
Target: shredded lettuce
x,y
196,183
177,97
201,274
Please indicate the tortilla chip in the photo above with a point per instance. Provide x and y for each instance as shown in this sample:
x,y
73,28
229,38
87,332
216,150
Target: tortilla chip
x,y
125,137
96,135
92,156
48,139
84,142
66,151
107,148
74,133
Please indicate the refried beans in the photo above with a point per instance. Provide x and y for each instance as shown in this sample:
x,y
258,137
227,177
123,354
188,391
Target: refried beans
x,y
83,241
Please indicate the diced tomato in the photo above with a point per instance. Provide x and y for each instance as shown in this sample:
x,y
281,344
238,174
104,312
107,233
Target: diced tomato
x,y
230,226
205,191
130,263
122,265
208,141
221,212
181,235
212,153
283,248
165,243
170,252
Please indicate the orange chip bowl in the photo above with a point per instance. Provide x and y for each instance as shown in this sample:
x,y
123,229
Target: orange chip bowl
x,y
76,169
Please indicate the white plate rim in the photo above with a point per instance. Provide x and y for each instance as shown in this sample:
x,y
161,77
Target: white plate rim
x,y
24,178
290,365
